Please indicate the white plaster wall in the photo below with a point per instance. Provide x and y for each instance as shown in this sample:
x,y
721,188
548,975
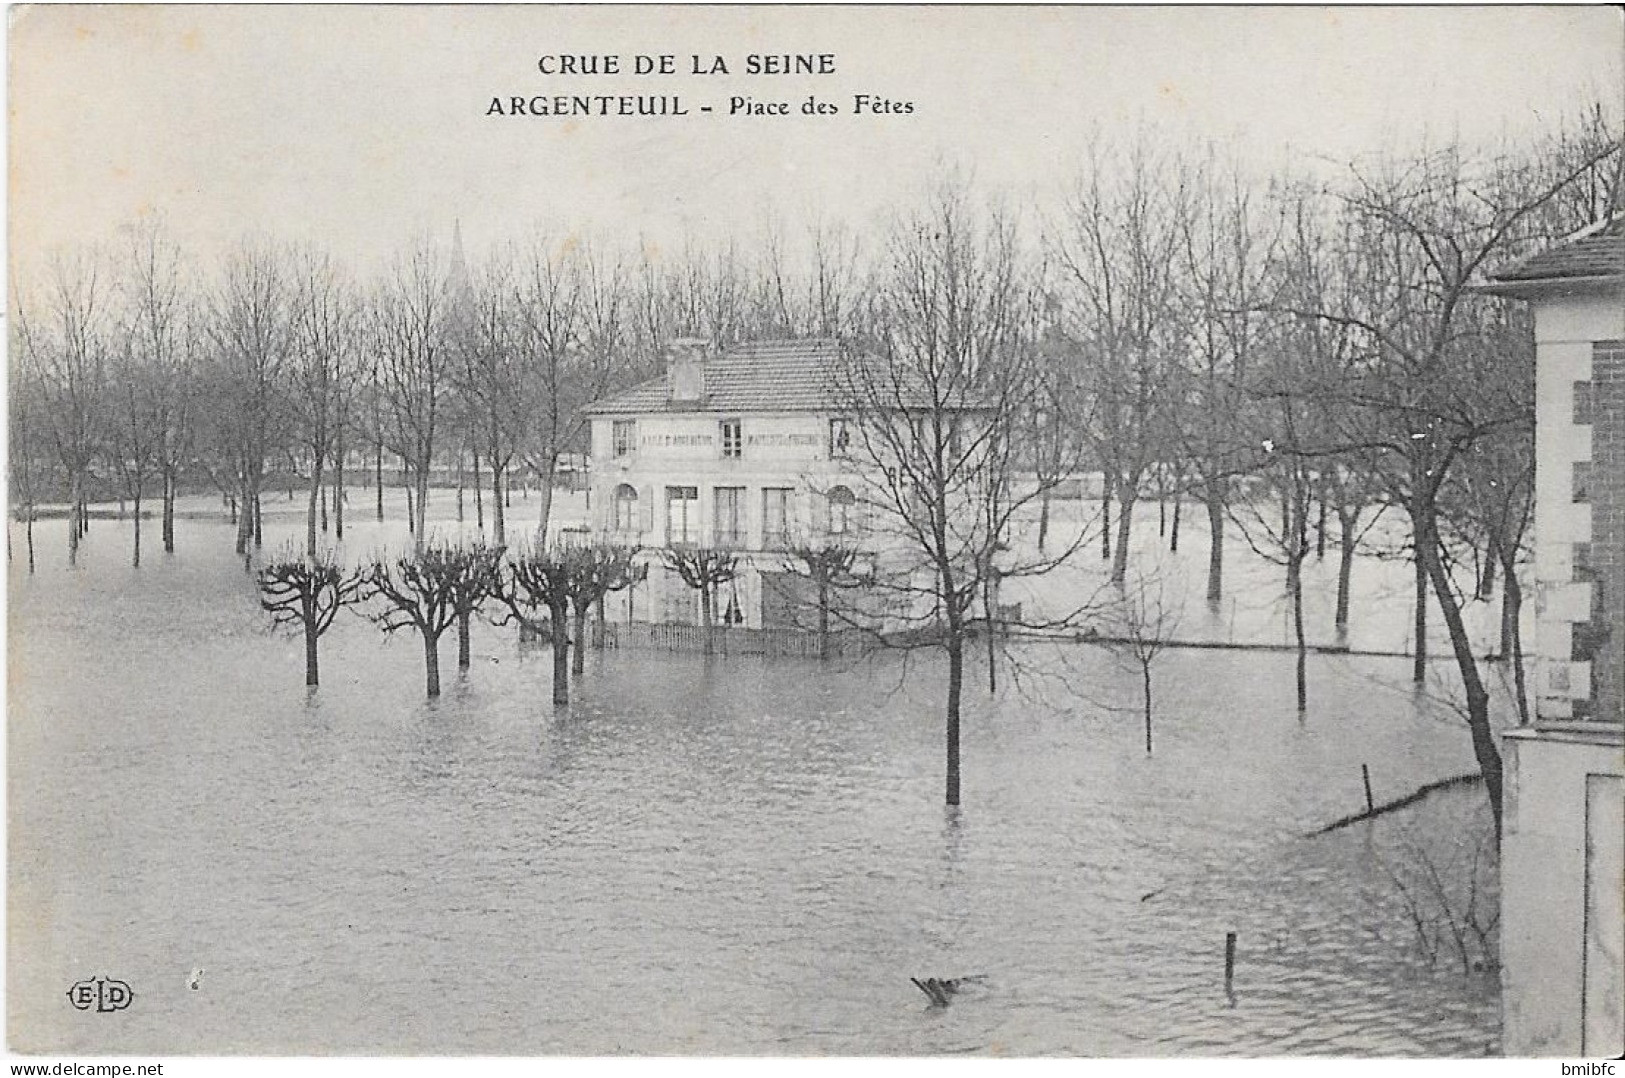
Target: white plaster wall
x,y
1543,888
1597,317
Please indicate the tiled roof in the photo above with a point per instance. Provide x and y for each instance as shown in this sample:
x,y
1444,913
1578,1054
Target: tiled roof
x,y
1598,251
764,376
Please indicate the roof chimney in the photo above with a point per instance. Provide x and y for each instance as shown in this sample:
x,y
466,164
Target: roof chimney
x,y
685,370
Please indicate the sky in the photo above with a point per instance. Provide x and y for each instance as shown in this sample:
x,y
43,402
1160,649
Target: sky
x,y
361,128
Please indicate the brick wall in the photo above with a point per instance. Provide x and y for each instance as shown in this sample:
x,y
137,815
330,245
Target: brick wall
x,y
1607,548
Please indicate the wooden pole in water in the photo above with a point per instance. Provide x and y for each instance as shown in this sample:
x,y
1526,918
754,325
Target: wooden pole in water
x,y
1229,961
1365,773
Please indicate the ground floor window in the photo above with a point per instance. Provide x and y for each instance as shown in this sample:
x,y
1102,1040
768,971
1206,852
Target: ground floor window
x,y
776,517
841,506
626,508
682,514
729,512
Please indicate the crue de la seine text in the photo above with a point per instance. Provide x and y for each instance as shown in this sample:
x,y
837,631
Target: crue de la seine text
x,y
561,101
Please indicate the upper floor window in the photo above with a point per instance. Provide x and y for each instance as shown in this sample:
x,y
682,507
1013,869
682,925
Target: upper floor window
x,y
840,437
733,439
624,437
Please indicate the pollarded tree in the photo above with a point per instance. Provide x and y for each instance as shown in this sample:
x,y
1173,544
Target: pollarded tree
x,y
479,580
829,567
308,592
594,572
418,593
704,570
537,580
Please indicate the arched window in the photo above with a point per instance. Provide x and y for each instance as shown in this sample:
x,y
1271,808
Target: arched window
x,y
841,515
626,508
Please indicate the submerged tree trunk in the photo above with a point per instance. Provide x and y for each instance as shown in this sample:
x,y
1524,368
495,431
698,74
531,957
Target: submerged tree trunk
x,y
135,559
578,661
463,618
1347,542
561,657
378,478
338,496
1295,577
168,526
1179,504
1419,660
479,497
499,519
431,663
1043,518
956,680
1145,675
317,492
545,492
1478,698
1105,518
1215,543
1125,521
312,673
423,502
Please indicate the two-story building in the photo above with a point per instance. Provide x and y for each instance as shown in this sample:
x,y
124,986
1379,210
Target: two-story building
x,y
743,451
1563,835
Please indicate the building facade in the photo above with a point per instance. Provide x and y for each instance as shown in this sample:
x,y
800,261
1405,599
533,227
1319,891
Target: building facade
x,y
743,451
1563,835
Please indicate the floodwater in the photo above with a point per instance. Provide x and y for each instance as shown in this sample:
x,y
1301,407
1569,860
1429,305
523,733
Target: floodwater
x,y
725,856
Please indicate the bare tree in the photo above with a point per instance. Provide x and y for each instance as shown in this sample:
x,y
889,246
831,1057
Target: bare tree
x,y
251,330
308,592
1140,624
494,378
161,330
936,410
419,593
830,568
539,579
1421,231
478,579
1119,252
65,352
594,572
325,365
410,322
704,570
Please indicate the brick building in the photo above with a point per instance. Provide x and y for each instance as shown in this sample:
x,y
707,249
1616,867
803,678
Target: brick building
x,y
1563,838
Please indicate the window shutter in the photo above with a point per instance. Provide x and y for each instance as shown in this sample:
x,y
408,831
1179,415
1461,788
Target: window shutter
x,y
817,514
646,512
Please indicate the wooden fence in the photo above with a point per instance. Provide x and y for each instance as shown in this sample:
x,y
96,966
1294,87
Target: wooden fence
x,y
726,640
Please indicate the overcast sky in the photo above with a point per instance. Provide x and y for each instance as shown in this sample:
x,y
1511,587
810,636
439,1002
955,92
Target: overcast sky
x,y
360,127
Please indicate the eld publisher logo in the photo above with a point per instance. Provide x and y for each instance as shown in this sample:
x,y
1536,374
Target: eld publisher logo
x,y
102,994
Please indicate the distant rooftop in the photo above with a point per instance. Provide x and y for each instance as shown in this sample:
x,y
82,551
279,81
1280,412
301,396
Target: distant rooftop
x,y
763,376
1594,254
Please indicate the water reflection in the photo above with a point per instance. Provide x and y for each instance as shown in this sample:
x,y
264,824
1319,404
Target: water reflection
x,y
723,855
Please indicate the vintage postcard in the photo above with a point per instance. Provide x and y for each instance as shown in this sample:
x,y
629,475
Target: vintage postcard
x,y
815,531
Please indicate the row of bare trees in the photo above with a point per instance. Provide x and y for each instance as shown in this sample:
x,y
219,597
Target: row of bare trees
x,y
440,586
137,369
1281,350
